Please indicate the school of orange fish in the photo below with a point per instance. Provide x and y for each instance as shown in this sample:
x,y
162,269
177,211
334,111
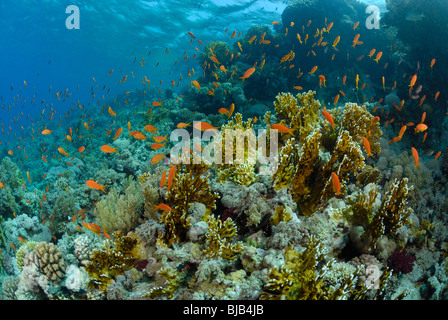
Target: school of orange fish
x,y
49,125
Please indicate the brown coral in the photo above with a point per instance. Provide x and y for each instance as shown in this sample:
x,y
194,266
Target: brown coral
x,y
190,184
218,235
112,260
48,258
392,214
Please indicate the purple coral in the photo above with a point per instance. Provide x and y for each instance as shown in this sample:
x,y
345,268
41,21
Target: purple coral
x,y
400,261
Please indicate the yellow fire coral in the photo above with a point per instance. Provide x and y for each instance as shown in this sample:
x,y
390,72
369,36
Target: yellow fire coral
x,y
239,152
218,235
392,214
299,113
301,277
171,285
112,260
190,184
303,168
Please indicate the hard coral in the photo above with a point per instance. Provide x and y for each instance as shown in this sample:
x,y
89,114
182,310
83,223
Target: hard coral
x,y
302,168
301,278
48,259
190,184
112,260
238,156
392,214
218,235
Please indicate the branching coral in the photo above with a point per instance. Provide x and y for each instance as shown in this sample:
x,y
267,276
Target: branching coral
x,y
218,235
112,260
301,278
302,168
171,285
305,276
299,113
190,184
239,153
392,214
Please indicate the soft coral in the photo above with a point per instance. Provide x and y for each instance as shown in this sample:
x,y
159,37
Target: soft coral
x,y
400,261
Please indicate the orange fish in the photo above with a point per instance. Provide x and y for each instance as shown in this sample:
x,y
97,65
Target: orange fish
x,y
2,185
81,149
196,84
413,81
157,158
232,108
313,70
223,111
156,146
202,126
10,152
150,128
420,127
156,103
171,175
281,128
415,156
62,151
111,112
183,125
433,61
437,155
372,52
93,185
138,135
163,207
402,131
248,73
356,25
108,149
92,227
46,132
28,176
336,183
378,57
163,179
436,96
160,138
366,144
328,116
